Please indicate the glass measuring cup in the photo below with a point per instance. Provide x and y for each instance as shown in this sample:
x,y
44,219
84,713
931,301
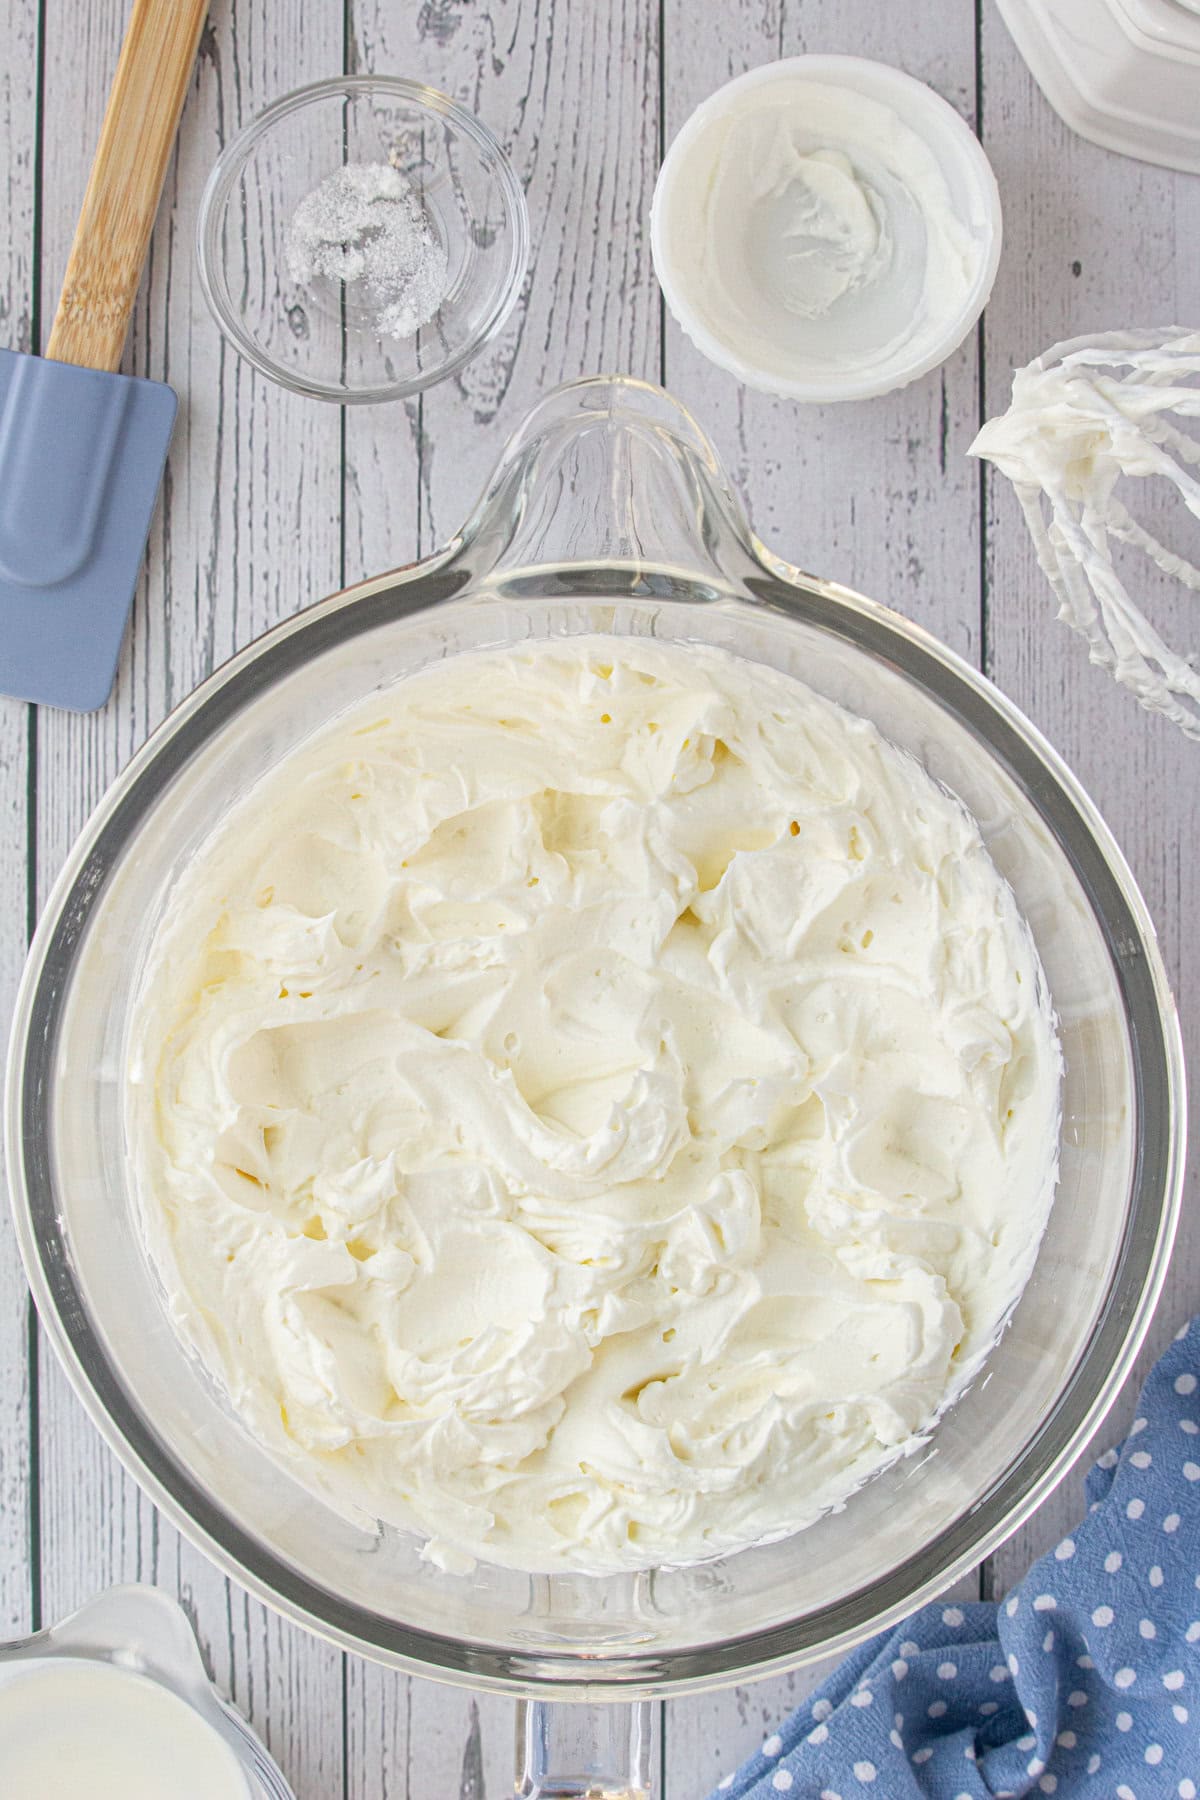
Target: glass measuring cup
x,y
128,1663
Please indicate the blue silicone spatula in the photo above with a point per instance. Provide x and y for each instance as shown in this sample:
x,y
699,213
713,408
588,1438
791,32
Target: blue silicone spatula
x,y
82,448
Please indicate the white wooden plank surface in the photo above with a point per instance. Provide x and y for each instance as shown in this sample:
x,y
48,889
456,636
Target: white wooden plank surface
x,y
1107,242
879,495
876,493
572,94
18,72
16,1545
571,91
246,531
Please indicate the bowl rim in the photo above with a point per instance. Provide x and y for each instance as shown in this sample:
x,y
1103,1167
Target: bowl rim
x,y
852,72
1116,1336
228,166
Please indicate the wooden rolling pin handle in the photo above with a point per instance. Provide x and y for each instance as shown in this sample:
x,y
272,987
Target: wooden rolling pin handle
x,y
123,191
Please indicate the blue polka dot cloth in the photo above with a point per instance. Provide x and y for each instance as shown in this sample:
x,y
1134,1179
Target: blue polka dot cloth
x,y
1084,1681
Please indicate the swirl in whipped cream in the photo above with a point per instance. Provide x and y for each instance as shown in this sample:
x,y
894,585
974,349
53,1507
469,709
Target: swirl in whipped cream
x,y
593,1105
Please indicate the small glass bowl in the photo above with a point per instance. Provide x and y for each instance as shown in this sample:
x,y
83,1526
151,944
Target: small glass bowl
x,y
319,339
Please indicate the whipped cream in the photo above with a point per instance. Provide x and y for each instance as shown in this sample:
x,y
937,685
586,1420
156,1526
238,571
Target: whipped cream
x,y
1087,420
807,234
821,232
593,1105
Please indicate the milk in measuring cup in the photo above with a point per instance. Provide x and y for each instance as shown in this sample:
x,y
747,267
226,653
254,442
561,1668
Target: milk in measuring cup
x,y
70,1728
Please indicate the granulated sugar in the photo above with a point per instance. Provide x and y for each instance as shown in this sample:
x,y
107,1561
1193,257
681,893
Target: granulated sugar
x,y
364,225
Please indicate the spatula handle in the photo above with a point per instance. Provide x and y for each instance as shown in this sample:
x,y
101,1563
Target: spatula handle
x,y
113,233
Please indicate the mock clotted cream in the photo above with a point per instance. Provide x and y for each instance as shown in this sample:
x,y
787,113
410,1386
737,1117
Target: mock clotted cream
x,y
593,1105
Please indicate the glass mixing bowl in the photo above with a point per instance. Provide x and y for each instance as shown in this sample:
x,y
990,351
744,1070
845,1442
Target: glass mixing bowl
x,y
607,513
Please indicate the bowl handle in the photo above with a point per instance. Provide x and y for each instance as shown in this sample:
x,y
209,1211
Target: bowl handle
x,y
609,470
568,1750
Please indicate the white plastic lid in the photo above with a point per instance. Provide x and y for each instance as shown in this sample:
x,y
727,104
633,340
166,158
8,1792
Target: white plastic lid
x,y
1123,73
